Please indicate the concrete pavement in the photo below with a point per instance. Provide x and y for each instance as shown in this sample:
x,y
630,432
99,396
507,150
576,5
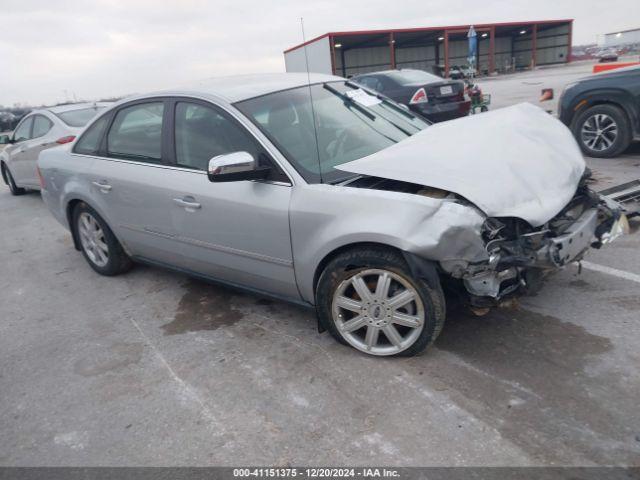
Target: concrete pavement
x,y
154,368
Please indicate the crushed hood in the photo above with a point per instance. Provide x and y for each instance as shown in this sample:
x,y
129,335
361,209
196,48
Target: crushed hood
x,y
512,162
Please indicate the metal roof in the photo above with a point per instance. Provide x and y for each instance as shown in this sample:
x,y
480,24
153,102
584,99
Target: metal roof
x,y
427,29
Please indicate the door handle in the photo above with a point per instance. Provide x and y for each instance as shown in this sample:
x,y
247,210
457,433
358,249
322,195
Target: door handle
x,y
188,203
104,187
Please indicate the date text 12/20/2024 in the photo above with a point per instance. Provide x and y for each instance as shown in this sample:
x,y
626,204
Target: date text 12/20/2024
x,y
363,472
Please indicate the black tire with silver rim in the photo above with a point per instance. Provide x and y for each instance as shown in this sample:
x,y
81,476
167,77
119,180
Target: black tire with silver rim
x,y
97,242
368,299
92,240
602,131
8,179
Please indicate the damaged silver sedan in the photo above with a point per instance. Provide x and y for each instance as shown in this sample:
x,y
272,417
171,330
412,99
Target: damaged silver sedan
x,y
325,194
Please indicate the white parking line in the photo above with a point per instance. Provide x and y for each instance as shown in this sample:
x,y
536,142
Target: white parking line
x,y
612,271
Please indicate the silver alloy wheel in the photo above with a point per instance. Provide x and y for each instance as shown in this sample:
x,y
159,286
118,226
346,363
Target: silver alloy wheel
x,y
378,312
599,132
92,239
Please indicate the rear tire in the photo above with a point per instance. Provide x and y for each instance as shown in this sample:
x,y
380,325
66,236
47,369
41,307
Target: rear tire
x,y
381,324
602,131
8,179
99,246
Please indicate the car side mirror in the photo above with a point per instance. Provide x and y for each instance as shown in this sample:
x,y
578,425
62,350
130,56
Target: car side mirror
x,y
5,139
235,167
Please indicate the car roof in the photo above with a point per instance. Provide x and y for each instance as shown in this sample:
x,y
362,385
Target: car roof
x,y
377,72
386,72
243,87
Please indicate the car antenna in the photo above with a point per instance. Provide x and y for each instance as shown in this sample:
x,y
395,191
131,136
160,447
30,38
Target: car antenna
x,y
313,113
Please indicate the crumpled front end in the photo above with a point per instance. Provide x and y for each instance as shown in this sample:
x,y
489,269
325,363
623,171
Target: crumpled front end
x,y
520,256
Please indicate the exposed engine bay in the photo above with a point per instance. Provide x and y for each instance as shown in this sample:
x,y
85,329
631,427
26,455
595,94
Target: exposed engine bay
x,y
519,255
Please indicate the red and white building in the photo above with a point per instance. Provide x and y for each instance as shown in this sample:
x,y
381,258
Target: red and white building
x,y
502,47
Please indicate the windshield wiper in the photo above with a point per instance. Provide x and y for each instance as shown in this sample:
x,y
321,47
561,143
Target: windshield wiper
x,y
393,106
351,102
348,100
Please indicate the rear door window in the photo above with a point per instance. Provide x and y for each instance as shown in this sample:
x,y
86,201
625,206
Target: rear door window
x,y
89,143
371,82
136,133
23,132
41,126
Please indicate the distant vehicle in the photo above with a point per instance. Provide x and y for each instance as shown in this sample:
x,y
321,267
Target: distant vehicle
x,y
37,131
460,72
609,55
435,98
603,111
359,209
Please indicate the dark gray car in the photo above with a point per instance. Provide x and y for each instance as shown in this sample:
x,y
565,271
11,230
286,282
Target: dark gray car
x,y
437,99
603,111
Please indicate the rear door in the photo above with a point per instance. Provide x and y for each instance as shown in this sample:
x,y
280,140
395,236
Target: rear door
x,y
131,182
233,231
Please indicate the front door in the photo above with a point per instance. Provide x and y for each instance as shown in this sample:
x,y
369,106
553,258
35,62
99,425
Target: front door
x,y
236,231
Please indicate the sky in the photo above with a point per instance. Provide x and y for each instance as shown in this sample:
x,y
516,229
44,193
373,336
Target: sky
x,y
53,51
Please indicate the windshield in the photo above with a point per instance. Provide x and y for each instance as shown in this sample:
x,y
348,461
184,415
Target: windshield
x,y
413,77
80,117
350,124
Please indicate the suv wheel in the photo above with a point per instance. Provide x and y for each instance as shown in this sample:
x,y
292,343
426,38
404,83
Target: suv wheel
x,y
99,245
368,299
602,131
8,179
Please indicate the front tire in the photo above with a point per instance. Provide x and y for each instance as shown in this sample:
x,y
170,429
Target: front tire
x,y
8,178
99,246
368,299
602,131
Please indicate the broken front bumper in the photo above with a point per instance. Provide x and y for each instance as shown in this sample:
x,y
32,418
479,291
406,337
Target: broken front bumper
x,y
517,263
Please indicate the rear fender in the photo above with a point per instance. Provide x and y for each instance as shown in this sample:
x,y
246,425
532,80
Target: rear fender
x,y
76,192
427,228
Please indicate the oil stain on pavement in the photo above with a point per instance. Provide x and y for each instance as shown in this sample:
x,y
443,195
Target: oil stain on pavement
x,y
203,307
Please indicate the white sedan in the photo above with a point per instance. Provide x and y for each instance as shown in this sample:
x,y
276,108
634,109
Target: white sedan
x,y
37,131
